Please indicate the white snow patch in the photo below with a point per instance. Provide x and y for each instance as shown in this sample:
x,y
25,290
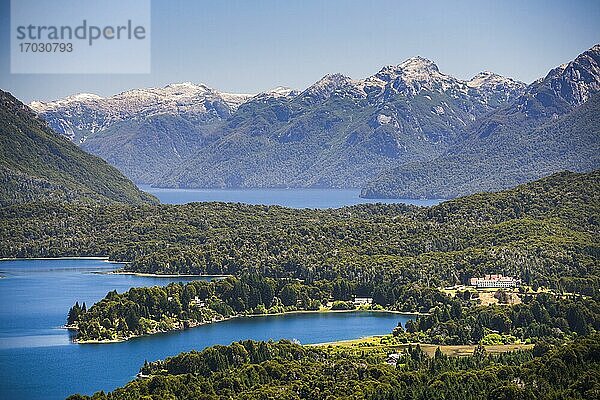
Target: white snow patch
x,y
383,119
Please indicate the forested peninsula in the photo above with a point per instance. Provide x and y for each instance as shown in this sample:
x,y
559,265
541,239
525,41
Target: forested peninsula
x,y
149,310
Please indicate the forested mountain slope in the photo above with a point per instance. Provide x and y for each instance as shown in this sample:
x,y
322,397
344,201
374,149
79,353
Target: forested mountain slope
x,y
142,131
342,132
38,164
407,131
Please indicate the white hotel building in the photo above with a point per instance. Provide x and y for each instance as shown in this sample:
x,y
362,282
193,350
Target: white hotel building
x,y
495,281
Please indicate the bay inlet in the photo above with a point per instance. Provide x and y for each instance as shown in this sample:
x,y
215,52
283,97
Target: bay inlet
x,y
39,361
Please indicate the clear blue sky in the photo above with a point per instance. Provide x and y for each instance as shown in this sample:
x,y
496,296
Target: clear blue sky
x,y
250,46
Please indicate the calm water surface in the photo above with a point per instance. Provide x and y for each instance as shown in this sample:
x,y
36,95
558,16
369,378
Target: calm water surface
x,y
38,361
294,198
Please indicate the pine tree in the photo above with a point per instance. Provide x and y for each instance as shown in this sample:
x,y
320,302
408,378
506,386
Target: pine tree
x,y
74,314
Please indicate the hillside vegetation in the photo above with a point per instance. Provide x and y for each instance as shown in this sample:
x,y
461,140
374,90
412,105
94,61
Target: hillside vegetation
x,y
38,164
545,233
283,370
508,150
552,126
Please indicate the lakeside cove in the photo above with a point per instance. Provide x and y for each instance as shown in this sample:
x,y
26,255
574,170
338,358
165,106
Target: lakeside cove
x,y
185,325
40,346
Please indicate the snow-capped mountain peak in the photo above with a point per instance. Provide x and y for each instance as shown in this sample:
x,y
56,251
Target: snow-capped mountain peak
x,y
83,96
170,97
577,80
414,75
488,78
278,92
80,115
326,86
411,70
332,81
41,106
186,85
419,64
493,86
283,91
482,78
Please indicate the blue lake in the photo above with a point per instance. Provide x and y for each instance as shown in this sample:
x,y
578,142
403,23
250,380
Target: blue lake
x,y
38,360
294,198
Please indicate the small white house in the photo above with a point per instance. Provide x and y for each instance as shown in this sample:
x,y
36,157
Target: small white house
x,y
197,302
392,359
359,301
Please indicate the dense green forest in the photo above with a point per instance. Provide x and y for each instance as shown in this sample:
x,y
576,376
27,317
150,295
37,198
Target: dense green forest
x,y
449,320
545,232
283,370
149,310
542,316
38,164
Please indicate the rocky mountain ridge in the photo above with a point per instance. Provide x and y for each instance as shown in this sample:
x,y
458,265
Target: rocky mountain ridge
x,y
338,132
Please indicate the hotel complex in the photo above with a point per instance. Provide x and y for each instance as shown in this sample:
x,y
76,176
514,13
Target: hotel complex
x,y
495,281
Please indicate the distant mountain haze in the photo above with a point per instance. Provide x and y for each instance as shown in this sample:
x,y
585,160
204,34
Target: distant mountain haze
x,y
409,130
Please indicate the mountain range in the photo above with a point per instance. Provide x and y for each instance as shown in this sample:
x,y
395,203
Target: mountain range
x,y
407,131
38,164
554,125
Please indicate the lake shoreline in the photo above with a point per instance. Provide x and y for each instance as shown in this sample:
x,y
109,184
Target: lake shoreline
x,y
118,272
40,345
153,275
62,258
196,324
293,198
